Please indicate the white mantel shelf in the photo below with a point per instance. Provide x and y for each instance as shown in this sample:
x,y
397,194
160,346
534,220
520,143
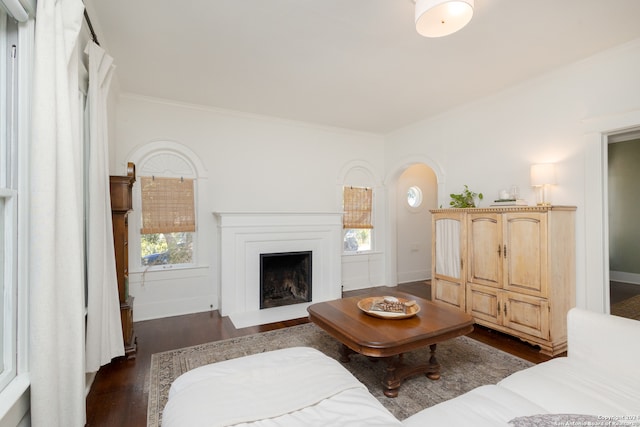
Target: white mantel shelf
x,y
246,235
258,219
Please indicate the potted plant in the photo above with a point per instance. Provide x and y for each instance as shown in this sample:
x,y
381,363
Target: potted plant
x,y
466,199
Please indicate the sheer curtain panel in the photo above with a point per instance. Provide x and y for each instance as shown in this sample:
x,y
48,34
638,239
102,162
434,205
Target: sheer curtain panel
x,y
56,256
104,328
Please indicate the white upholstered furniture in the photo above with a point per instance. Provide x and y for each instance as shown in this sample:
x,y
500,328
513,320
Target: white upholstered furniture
x,y
292,387
600,377
300,386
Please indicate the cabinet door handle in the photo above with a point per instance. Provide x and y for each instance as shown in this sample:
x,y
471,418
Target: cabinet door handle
x,y
505,251
498,309
499,250
505,308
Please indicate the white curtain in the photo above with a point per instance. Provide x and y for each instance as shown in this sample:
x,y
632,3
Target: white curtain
x,y
56,277
448,247
104,328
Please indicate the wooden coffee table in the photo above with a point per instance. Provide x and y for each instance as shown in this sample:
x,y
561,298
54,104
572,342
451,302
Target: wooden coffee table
x,y
388,338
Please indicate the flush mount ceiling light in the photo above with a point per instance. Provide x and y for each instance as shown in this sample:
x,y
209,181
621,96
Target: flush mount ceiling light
x,y
437,18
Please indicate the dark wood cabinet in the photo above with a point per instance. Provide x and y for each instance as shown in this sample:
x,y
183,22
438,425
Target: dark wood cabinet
x,y
121,204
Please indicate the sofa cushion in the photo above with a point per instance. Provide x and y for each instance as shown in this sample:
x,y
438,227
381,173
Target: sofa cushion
x,y
280,388
485,406
565,386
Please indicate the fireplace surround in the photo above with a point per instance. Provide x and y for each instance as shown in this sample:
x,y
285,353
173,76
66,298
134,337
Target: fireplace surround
x,y
245,236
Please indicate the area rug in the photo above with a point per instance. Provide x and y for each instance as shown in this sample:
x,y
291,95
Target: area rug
x,y
465,364
629,308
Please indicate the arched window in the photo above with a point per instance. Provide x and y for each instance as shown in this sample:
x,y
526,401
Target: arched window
x,y
166,209
358,192
414,196
357,220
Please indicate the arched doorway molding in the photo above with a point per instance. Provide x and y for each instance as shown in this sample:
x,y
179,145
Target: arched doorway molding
x,y
390,181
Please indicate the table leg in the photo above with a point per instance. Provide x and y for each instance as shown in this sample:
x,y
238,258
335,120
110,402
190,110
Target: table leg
x,y
396,371
391,382
433,368
345,353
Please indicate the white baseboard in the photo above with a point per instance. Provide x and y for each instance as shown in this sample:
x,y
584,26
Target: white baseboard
x,y
413,276
88,382
177,307
621,276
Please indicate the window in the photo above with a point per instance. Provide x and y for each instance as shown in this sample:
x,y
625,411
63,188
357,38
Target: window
x,y
414,196
168,221
8,200
357,223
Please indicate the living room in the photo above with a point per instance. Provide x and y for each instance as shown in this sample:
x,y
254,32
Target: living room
x,y
499,118
560,116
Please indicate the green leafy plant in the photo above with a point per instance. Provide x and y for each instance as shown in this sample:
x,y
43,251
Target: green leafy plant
x,y
466,199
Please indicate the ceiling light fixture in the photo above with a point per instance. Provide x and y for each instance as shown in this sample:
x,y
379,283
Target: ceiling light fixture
x,y
437,18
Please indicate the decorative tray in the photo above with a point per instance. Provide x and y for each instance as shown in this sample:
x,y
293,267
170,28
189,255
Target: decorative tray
x,y
389,307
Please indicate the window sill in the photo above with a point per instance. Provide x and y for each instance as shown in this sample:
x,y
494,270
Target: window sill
x,y
182,271
361,253
10,397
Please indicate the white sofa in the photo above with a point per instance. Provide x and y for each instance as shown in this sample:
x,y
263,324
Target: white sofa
x,y
600,377
598,383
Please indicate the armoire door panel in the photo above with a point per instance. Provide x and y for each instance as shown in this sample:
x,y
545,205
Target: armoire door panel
x,y
448,265
526,258
527,314
483,303
451,293
485,249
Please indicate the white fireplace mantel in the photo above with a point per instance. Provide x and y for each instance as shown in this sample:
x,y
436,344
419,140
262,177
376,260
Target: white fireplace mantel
x,y
246,235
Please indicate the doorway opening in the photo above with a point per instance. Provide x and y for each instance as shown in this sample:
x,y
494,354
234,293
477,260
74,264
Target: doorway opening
x,y
623,156
416,194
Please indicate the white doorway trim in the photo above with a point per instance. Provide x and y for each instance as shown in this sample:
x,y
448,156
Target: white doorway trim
x,y
593,292
391,178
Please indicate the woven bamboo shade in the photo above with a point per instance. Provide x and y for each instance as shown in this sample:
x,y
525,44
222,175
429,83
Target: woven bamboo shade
x,y
357,207
167,205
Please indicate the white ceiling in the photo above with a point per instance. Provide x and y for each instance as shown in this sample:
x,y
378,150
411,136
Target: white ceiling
x,y
356,64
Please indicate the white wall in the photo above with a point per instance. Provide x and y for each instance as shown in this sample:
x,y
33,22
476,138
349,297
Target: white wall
x,y
253,164
558,117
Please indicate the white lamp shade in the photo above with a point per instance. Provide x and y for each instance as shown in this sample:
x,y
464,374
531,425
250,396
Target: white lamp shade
x,y
543,174
437,18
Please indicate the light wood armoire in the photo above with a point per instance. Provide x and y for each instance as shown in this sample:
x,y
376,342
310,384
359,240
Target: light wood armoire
x,y
511,268
121,204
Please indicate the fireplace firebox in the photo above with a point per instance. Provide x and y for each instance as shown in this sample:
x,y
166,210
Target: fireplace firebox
x,y
285,279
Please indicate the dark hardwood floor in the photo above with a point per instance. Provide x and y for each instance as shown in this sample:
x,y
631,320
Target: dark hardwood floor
x,y
119,393
619,291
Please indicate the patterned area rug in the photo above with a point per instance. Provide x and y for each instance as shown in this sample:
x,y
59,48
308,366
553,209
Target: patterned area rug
x,y
629,308
466,364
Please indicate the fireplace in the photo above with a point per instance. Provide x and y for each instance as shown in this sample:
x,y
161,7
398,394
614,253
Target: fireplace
x,y
285,279
245,236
